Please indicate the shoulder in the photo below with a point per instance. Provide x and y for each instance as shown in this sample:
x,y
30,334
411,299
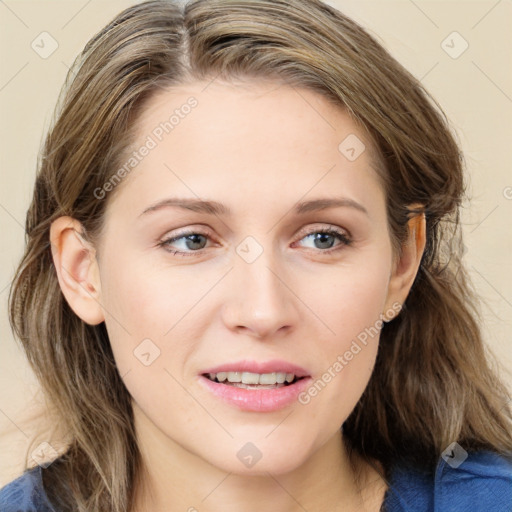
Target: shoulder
x,y
482,482
25,494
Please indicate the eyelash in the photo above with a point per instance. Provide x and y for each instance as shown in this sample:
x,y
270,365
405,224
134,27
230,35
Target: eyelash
x,y
342,236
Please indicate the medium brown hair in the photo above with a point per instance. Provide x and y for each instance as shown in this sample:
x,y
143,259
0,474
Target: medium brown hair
x,y
434,381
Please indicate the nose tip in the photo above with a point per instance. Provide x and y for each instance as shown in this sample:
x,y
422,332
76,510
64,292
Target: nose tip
x,y
259,304
260,330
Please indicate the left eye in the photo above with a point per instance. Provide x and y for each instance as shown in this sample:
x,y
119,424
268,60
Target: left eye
x,y
324,239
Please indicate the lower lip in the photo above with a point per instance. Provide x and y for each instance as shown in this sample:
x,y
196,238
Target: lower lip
x,y
257,400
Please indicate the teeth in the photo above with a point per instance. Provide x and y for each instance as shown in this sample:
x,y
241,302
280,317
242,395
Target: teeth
x,y
222,376
235,376
268,378
250,378
253,378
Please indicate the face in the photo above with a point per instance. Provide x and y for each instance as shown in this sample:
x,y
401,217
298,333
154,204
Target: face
x,y
273,280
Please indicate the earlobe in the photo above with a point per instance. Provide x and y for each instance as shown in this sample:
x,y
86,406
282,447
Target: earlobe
x,y
407,266
77,269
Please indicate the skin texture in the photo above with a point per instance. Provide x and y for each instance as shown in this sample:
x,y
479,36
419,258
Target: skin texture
x,y
258,148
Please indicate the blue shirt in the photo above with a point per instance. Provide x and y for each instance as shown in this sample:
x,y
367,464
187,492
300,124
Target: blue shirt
x,y
482,483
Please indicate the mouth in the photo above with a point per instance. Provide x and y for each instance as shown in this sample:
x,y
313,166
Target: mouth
x,y
249,380
256,386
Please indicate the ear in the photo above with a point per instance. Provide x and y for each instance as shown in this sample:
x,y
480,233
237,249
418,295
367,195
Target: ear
x,y
77,269
407,265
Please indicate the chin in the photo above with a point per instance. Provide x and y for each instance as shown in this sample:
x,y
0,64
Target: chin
x,y
261,457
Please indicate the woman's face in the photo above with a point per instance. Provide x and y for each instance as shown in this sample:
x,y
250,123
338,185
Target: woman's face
x,y
258,288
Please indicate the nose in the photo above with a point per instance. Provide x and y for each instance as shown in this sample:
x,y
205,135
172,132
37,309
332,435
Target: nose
x,y
260,300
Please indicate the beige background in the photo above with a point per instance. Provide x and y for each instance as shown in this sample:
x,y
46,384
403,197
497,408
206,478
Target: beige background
x,y
474,89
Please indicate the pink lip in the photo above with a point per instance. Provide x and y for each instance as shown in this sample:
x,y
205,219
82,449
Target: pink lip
x,y
276,365
257,400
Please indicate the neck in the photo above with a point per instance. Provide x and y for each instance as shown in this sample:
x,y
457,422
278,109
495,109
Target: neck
x,y
173,478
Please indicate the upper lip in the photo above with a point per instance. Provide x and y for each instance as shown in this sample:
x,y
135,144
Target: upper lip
x,y
275,365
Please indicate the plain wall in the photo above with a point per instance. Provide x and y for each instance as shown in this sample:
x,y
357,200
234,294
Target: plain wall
x,y
474,89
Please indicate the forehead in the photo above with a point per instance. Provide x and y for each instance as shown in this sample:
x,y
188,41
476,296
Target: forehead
x,y
261,111
262,137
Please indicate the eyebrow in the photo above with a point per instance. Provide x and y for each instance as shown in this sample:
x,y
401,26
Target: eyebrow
x,y
216,208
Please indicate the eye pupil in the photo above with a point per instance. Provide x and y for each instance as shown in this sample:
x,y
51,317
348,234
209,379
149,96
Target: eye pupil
x,y
321,237
193,239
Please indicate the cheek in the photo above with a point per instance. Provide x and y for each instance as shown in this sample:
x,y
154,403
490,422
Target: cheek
x,y
146,323
142,298
133,304
350,307
349,299
153,315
